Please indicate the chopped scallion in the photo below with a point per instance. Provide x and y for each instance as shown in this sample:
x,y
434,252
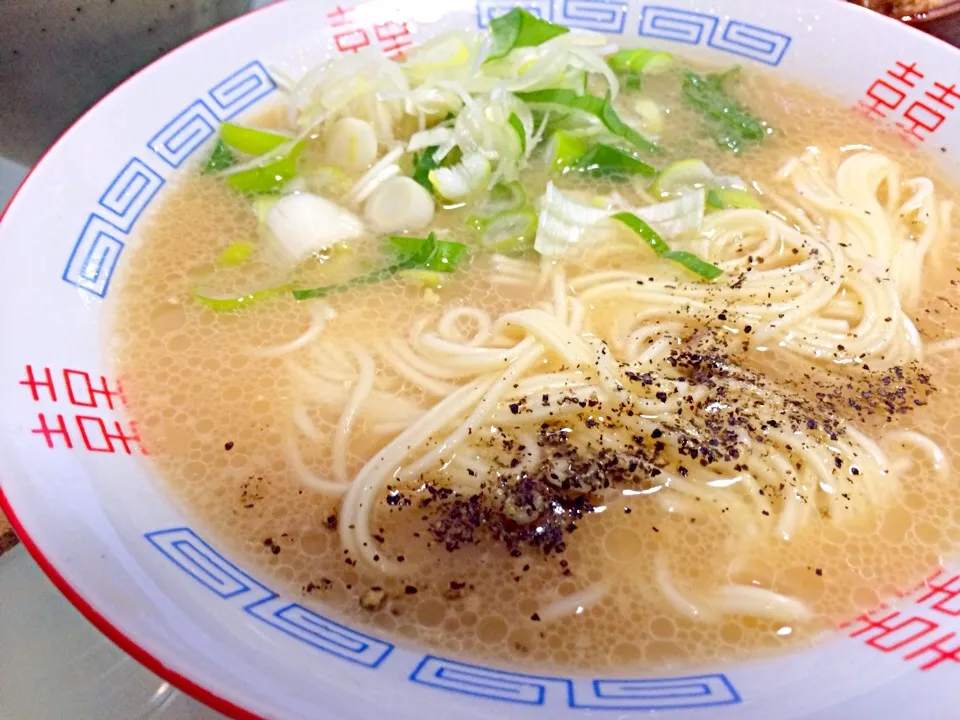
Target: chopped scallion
x,y
220,159
426,253
605,161
731,198
646,233
510,233
429,253
269,178
640,62
563,150
368,279
423,164
518,29
729,123
515,122
503,198
236,254
251,141
600,108
656,243
229,303
694,264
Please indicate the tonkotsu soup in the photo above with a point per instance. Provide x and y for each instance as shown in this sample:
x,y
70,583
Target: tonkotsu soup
x,y
472,355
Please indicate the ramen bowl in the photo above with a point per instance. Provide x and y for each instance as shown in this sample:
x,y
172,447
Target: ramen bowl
x,y
84,498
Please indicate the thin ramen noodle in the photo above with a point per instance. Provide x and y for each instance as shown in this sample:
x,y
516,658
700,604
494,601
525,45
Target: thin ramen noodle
x,y
520,368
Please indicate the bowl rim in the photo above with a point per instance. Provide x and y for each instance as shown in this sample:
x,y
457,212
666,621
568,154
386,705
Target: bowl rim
x,y
193,688
114,634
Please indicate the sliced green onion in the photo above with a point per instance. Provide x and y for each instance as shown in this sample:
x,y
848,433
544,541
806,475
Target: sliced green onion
x,y
228,302
729,123
684,174
600,108
512,232
730,198
422,278
515,122
443,53
251,141
659,246
463,180
640,61
429,253
236,254
423,164
632,81
518,29
563,150
646,233
694,264
269,178
503,198
571,79
649,113
220,159
605,160
368,279
415,254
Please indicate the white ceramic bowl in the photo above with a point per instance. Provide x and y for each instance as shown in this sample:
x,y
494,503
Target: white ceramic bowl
x,y
97,519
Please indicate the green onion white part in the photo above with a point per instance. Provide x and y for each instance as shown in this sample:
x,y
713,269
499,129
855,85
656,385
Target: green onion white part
x,y
302,224
676,217
463,180
564,225
512,232
399,204
385,169
502,198
351,144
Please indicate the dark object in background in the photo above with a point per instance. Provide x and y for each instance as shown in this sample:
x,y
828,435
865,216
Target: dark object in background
x,y
7,538
942,22
58,57
940,19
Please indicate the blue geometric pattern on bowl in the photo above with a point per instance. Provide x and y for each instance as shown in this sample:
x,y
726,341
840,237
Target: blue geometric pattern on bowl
x,y
664,23
185,549
607,16
731,36
695,691
94,256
